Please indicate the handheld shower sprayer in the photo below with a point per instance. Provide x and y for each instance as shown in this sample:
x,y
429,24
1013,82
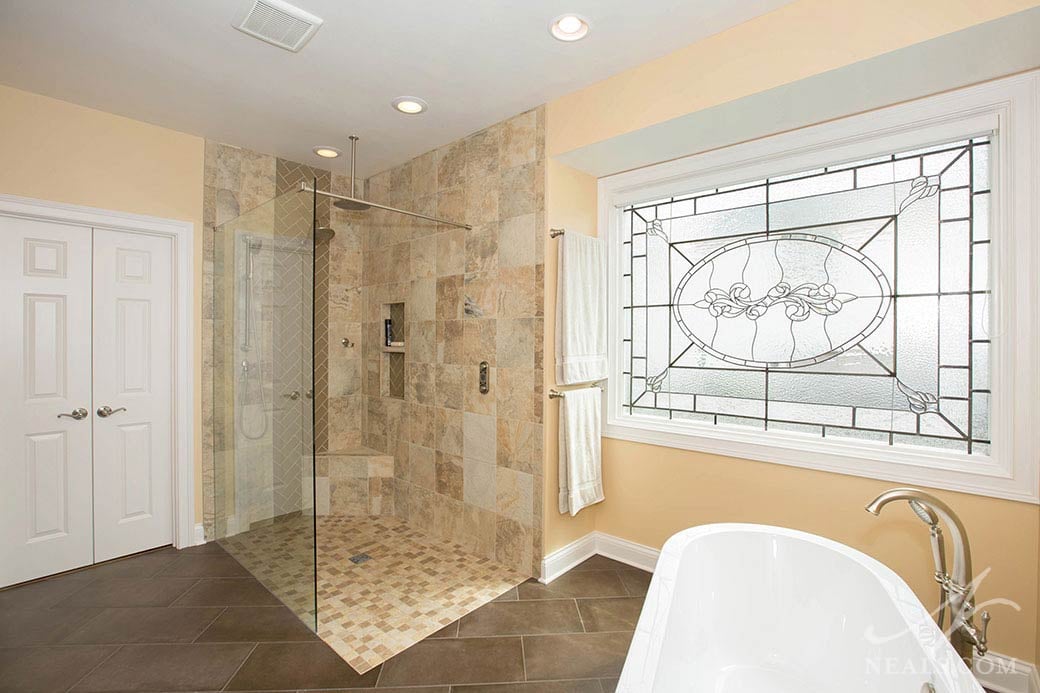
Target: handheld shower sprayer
x,y
938,551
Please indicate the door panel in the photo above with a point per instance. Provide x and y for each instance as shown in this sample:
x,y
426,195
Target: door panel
x,y
45,461
133,375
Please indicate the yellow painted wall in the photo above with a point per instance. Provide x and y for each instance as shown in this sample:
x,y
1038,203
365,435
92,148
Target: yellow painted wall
x,y
570,203
54,150
652,491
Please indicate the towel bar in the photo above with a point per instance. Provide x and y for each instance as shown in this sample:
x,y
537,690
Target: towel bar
x,y
558,394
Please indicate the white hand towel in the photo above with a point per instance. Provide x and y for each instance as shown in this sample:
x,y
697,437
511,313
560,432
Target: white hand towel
x,y
581,475
581,311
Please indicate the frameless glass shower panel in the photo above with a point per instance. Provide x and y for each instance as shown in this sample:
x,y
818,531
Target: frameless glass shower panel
x,y
263,396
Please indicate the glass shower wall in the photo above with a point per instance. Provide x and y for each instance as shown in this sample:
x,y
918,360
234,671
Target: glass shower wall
x,y
263,394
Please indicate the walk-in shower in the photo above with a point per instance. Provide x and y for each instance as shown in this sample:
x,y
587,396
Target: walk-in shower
x,y
358,477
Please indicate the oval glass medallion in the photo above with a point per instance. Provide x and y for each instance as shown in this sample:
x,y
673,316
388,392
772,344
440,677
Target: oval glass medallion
x,y
783,300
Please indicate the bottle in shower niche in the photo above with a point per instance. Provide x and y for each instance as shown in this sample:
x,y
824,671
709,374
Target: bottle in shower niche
x,y
388,328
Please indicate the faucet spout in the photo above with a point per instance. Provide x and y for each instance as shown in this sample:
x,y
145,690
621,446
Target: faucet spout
x,y
958,590
961,573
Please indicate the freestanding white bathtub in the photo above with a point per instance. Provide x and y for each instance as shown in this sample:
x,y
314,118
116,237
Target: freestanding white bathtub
x,y
738,608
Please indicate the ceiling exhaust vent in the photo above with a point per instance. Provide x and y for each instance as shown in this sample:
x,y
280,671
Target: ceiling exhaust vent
x,y
278,23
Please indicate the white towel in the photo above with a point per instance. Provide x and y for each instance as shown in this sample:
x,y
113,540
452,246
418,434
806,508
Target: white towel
x,y
581,475
581,311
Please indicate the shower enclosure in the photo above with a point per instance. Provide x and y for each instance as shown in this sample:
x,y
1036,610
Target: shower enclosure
x,y
263,394
375,413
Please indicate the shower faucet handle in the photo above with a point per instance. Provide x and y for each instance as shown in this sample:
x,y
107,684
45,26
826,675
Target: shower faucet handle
x,y
294,395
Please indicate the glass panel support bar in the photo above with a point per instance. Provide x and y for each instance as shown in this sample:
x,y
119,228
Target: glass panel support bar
x,y
306,188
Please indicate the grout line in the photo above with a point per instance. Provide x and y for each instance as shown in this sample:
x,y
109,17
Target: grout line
x,y
523,657
239,667
209,625
81,627
382,666
95,668
580,619
181,595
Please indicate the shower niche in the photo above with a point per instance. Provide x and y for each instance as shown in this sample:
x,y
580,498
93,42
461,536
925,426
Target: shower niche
x,y
393,370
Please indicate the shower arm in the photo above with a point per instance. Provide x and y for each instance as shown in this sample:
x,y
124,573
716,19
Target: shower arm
x,y
307,188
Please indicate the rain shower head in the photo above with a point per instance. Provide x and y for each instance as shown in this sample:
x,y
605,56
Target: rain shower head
x,y
324,234
353,205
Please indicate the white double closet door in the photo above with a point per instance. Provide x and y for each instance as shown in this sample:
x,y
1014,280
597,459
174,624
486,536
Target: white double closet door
x,y
86,395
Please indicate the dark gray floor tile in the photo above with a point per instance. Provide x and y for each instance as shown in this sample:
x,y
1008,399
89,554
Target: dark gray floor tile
x,y
529,617
614,613
144,624
598,562
509,596
608,685
42,594
586,686
582,656
166,668
47,669
587,583
208,547
449,631
204,565
140,566
228,592
126,592
300,666
256,624
408,689
40,626
636,582
459,660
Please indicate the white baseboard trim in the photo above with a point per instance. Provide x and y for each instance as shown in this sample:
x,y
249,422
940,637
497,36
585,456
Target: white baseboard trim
x,y
1004,674
997,672
628,552
200,534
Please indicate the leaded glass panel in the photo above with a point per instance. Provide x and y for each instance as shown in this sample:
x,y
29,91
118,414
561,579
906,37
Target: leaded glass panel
x,y
849,302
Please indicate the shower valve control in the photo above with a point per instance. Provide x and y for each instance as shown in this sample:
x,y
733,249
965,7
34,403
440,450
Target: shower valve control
x,y
484,387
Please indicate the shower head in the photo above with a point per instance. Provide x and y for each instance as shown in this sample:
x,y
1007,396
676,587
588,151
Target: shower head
x,y
324,234
353,205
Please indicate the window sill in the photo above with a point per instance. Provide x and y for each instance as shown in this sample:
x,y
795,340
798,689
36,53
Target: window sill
x,y
961,473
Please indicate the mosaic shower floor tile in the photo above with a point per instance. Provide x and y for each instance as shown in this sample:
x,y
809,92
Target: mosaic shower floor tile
x,y
382,585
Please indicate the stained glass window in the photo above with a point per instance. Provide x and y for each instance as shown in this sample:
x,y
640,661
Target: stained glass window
x,y
849,302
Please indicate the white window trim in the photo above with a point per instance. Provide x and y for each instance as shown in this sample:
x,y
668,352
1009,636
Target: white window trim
x,y
1009,108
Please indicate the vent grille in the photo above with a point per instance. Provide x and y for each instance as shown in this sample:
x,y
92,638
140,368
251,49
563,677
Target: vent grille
x,y
278,23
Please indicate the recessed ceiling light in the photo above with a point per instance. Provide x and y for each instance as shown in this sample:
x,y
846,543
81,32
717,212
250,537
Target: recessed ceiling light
x,y
409,105
569,27
327,152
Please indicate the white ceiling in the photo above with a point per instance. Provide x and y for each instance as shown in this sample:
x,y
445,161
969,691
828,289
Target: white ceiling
x,y
180,64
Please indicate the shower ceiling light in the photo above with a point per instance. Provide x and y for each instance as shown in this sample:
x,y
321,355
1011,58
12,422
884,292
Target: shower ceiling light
x,y
409,105
326,152
569,27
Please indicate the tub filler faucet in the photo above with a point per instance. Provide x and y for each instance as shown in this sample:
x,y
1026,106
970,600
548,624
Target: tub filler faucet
x,y
957,593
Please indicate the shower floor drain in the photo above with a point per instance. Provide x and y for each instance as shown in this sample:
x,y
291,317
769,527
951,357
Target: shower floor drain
x,y
360,558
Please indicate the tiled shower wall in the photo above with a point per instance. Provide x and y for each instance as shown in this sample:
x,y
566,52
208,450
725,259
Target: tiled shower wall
x,y
467,465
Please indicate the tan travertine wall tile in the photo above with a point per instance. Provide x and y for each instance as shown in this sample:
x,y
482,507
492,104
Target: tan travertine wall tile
x,y
470,296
